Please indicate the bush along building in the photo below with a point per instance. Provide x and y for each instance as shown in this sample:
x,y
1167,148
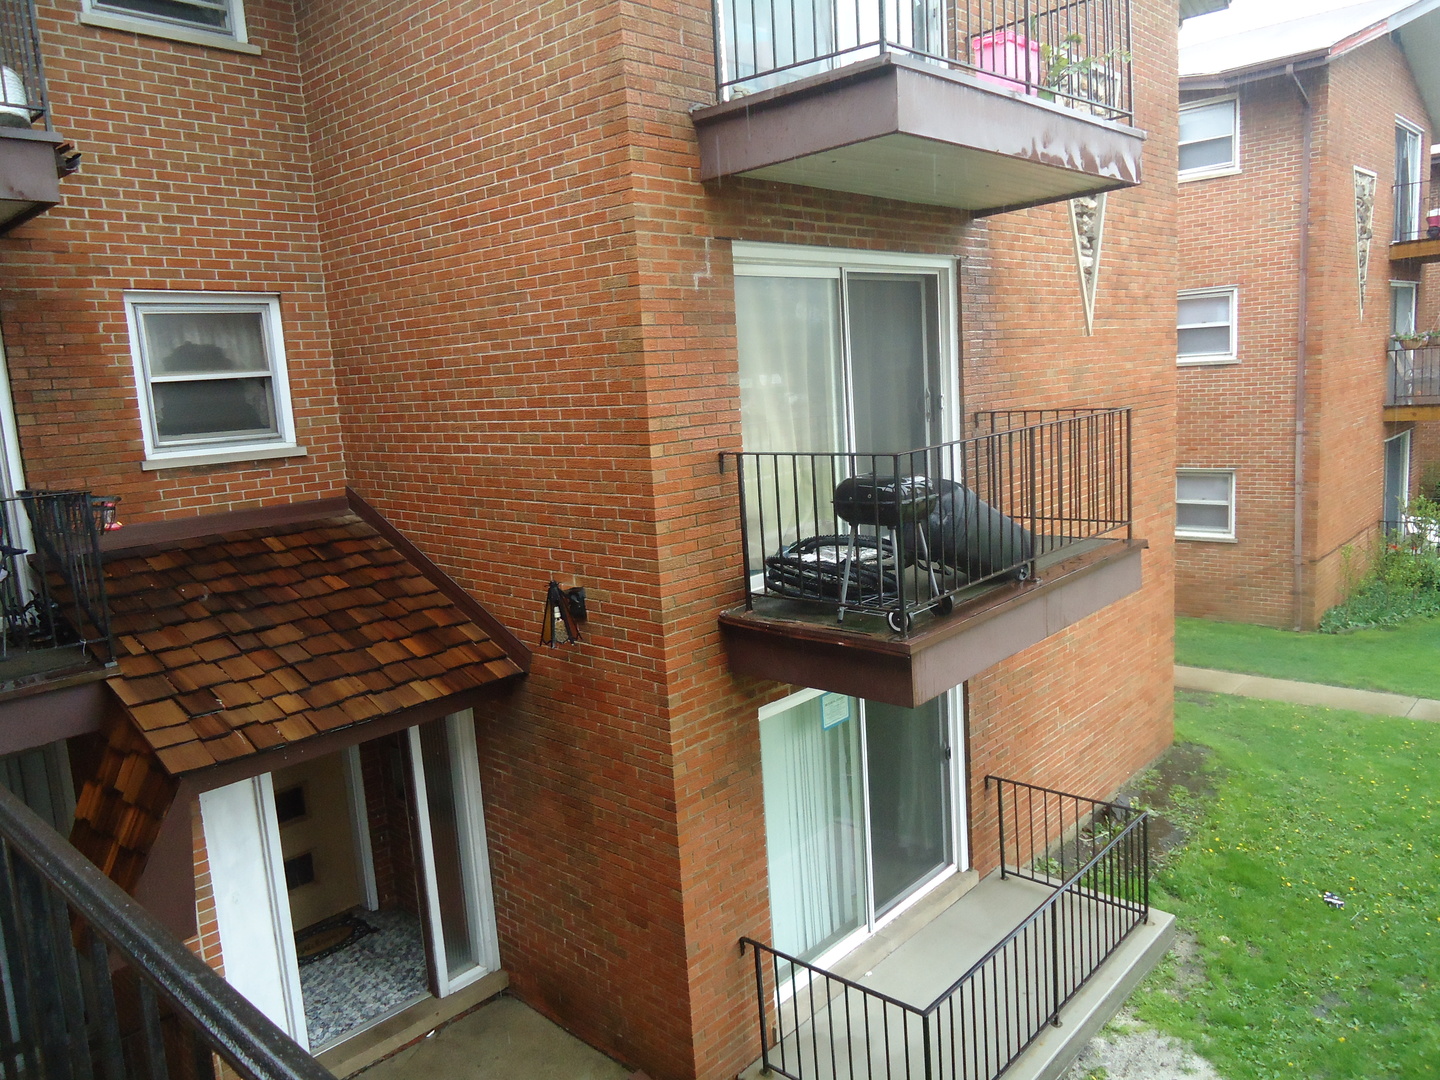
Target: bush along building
x,y
821,366
1306,405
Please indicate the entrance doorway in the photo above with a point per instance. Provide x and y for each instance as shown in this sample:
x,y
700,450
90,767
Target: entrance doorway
x,y
374,864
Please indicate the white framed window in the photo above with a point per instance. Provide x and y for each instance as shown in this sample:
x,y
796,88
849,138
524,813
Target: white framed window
x,y
211,377
1205,504
1209,138
1205,326
219,23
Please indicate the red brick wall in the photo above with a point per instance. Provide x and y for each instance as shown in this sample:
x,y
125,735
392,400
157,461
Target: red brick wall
x,y
1243,230
1088,707
197,176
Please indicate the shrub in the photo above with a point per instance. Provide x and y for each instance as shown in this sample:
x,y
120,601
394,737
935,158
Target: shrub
x,y
1404,576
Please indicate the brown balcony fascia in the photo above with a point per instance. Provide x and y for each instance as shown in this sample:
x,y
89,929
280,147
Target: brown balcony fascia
x,y
941,653
1416,252
1412,411
896,128
29,177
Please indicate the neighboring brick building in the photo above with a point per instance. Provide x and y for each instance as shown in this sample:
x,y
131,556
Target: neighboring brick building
x,y
1290,134
363,312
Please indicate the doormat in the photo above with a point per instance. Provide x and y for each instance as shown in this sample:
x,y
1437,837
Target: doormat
x,y
330,936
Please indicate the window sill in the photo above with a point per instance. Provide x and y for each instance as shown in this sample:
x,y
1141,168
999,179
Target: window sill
x,y
234,455
144,27
1217,361
1204,538
1209,174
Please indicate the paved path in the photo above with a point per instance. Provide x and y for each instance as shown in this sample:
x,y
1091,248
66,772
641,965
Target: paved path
x,y
1304,693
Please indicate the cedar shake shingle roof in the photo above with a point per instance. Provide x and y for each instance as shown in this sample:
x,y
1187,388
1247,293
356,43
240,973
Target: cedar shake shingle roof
x,y
119,810
233,644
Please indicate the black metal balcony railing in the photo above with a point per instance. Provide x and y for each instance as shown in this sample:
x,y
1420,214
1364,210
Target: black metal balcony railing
x,y
1073,52
1096,857
22,77
1417,214
1414,376
95,987
897,534
52,585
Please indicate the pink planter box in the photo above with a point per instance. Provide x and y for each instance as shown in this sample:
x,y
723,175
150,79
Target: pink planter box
x,y
1011,56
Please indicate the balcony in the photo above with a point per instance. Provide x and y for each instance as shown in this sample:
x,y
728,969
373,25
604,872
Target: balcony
x,y
1412,387
32,159
895,577
981,105
1416,236
1017,973
95,986
54,617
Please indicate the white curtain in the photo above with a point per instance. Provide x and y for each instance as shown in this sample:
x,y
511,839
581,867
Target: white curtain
x,y
814,825
791,400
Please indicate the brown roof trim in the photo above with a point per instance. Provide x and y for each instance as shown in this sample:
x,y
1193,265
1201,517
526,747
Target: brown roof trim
x,y
133,539
516,649
330,742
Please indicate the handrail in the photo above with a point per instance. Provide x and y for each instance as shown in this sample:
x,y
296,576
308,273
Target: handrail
x,y
1075,53
209,1007
926,525
23,98
983,1020
1413,375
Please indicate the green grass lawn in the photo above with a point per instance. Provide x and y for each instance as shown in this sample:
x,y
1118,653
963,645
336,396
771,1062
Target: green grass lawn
x,y
1306,800
1404,658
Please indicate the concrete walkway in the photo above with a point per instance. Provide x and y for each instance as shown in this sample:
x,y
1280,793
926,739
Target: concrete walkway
x,y
501,1040
1304,693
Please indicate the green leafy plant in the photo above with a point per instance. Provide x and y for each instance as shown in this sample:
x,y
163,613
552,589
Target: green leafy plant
x,y
1072,73
1403,578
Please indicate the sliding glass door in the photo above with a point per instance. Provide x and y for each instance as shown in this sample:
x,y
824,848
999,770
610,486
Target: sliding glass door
x,y
835,360
860,812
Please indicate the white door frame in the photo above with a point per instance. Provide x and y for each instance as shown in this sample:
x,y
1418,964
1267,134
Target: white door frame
x,y
360,826
474,853
1399,442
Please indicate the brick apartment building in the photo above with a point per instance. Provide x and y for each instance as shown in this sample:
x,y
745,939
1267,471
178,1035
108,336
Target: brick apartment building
x,y
1304,155
378,320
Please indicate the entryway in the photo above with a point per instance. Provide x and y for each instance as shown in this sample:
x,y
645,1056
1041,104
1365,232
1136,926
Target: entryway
x,y
372,866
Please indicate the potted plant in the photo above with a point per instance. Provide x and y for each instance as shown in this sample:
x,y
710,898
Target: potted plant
x,y
1077,78
1411,339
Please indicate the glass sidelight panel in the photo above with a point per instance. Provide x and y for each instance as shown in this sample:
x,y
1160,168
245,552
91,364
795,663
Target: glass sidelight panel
x,y
906,753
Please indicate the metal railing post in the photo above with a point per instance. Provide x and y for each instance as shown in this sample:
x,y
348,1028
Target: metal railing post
x,y
1145,863
1000,817
1055,965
